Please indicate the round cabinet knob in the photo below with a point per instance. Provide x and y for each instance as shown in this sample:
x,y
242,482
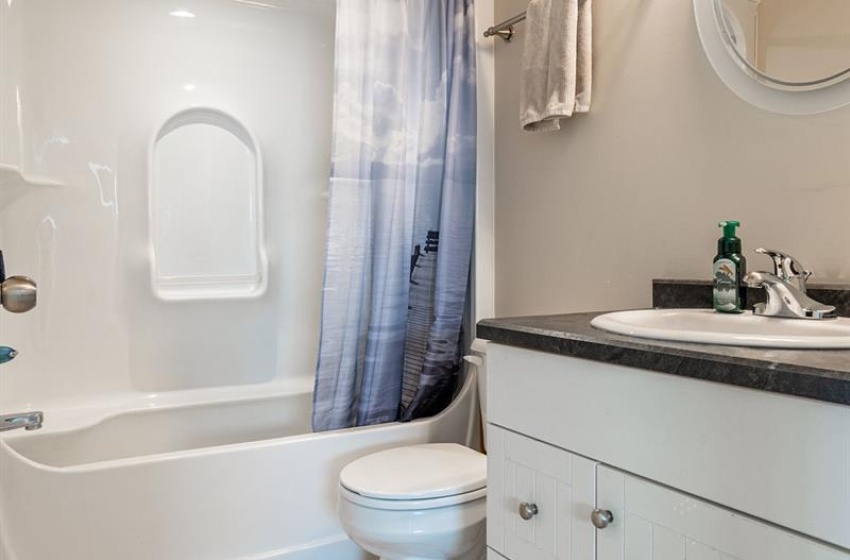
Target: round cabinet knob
x,y
17,294
527,511
601,518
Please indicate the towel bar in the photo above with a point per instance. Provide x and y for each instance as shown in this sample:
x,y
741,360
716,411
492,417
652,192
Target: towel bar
x,y
505,30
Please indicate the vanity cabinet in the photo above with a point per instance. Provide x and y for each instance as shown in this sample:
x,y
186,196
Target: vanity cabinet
x,y
689,469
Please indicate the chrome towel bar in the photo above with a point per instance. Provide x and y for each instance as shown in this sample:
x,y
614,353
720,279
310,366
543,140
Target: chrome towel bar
x,y
505,30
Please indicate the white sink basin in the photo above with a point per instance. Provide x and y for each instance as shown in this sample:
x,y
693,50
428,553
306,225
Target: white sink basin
x,y
745,329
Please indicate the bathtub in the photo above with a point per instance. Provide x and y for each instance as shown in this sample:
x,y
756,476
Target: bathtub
x,y
193,477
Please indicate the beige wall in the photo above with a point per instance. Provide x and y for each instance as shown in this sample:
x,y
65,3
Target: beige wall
x,y
587,216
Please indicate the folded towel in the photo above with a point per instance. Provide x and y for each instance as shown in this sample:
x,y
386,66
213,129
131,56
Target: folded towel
x,y
556,63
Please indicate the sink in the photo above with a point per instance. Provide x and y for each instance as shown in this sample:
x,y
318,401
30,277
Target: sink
x,y
710,327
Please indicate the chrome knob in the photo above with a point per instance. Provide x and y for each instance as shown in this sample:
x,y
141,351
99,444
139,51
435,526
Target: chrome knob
x,y
601,518
527,511
18,294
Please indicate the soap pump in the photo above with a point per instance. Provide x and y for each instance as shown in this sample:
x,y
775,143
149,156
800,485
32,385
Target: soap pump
x,y
730,266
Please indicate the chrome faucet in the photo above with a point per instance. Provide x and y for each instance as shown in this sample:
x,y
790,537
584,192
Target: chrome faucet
x,y
25,420
786,290
787,268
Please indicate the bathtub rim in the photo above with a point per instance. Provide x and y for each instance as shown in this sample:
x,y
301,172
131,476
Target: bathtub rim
x,y
85,412
465,396
140,411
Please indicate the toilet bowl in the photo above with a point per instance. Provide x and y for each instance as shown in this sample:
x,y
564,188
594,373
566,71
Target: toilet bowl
x,y
416,502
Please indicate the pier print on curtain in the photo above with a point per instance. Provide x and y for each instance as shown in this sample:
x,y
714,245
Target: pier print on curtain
x,y
402,197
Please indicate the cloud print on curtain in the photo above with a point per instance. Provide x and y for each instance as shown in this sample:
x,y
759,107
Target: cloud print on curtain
x,y
401,211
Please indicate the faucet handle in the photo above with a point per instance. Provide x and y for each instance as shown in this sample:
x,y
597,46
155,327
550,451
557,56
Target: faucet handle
x,y
18,294
787,268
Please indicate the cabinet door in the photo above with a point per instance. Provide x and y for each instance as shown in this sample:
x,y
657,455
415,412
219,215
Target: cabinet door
x,y
539,499
652,522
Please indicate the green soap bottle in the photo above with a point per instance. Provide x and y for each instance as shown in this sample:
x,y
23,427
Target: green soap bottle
x,y
730,266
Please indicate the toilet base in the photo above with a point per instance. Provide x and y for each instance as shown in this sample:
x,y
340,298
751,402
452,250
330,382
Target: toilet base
x,y
457,532
478,552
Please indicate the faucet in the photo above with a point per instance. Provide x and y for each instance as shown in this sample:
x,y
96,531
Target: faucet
x,y
787,268
786,290
25,420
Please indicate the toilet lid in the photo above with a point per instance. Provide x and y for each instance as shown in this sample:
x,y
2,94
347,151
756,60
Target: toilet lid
x,y
432,470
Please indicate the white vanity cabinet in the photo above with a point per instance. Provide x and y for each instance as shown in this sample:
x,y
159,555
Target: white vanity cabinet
x,y
689,469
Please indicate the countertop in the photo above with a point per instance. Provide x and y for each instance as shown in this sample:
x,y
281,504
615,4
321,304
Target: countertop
x,y
816,374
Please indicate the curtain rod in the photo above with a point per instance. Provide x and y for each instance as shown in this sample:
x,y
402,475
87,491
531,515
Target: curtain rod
x,y
505,30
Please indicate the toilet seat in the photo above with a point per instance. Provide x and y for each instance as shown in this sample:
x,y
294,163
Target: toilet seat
x,y
411,505
416,477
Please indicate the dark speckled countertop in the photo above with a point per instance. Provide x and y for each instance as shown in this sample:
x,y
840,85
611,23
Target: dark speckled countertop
x,y
817,374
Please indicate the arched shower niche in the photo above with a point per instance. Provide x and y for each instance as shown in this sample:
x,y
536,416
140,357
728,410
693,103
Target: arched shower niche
x,y
206,209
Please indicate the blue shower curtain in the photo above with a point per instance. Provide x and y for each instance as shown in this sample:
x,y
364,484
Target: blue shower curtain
x,y
401,211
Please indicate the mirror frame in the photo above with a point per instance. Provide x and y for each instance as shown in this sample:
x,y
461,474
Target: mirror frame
x,y
737,77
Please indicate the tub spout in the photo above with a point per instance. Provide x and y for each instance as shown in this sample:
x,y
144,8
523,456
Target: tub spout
x,y
25,420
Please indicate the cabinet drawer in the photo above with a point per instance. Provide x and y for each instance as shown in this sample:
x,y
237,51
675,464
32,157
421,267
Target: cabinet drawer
x,y
652,522
539,499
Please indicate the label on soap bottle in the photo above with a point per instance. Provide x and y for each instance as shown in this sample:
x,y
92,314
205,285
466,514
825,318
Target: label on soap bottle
x,y
726,286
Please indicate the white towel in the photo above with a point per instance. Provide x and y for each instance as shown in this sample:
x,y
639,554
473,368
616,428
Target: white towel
x,y
556,63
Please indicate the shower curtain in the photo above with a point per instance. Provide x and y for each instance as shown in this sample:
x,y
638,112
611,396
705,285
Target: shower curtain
x,y
402,196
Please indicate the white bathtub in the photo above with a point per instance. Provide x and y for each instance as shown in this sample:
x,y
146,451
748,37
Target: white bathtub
x,y
217,480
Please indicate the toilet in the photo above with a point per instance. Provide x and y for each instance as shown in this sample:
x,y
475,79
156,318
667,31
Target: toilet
x,y
420,502
417,502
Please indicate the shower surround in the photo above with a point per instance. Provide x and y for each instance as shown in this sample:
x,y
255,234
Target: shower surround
x,y
87,88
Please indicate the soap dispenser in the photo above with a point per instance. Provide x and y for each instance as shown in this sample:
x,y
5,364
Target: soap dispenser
x,y
730,266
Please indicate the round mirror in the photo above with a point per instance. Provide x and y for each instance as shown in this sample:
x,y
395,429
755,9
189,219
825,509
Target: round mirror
x,y
787,56
788,43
